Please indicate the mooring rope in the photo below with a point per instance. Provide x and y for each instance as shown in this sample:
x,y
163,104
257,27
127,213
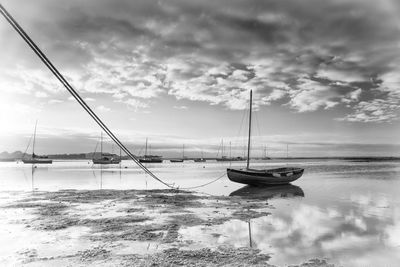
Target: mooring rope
x,y
202,185
77,97
72,91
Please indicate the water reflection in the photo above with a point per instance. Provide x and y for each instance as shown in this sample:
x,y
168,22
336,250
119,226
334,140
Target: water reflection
x,y
266,192
32,175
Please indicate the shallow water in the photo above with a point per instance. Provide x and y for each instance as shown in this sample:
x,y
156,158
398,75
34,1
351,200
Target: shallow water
x,y
347,212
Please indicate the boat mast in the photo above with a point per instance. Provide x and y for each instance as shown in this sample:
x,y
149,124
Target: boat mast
x,y
34,139
248,141
222,144
230,150
287,151
101,145
145,150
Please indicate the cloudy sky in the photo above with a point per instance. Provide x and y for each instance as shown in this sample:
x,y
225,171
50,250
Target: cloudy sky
x,y
325,75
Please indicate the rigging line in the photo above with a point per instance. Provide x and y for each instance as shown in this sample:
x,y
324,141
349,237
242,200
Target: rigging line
x,y
258,125
29,143
71,90
95,149
241,122
241,126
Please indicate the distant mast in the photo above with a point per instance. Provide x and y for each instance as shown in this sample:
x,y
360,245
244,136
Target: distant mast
x,y
34,140
145,149
248,141
287,151
222,150
101,145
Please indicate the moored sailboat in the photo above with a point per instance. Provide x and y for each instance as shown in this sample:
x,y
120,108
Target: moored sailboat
x,y
36,159
103,158
249,176
150,158
202,159
183,156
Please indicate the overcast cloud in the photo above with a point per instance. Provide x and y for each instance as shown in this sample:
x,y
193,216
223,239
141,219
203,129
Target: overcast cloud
x,y
312,54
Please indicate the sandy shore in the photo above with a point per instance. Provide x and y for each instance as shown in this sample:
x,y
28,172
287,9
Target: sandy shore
x,y
123,228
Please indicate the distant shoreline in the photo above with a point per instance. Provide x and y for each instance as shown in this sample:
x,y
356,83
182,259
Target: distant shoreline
x,y
15,156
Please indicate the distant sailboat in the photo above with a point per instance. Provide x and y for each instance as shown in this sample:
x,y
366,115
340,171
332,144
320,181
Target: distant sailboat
x,y
222,158
202,159
105,159
265,156
35,159
230,158
183,156
262,177
150,158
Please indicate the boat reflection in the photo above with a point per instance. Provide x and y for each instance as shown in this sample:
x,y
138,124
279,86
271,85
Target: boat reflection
x,y
267,192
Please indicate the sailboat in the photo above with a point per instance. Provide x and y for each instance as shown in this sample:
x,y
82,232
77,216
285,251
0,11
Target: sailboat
x,y
150,158
202,159
230,158
265,156
222,158
105,159
250,176
35,159
183,156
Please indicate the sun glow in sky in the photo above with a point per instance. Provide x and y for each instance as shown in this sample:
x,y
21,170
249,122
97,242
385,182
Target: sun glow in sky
x,y
325,75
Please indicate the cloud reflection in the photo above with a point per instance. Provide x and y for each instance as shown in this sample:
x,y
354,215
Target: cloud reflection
x,y
347,234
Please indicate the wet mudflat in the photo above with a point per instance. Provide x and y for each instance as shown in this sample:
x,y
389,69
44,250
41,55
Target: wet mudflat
x,y
341,213
125,228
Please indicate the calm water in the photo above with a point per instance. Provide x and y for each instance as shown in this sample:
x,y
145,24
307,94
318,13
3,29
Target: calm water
x,y
347,212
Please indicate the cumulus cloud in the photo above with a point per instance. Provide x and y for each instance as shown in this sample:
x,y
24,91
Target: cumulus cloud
x,y
135,104
102,108
377,110
312,95
206,52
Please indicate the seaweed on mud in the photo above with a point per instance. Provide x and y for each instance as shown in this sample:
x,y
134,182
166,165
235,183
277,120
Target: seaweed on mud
x,y
247,214
203,257
178,200
314,263
61,223
96,253
112,224
133,233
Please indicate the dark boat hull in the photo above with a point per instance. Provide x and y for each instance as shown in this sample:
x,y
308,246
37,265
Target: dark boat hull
x,y
199,160
104,161
37,161
176,160
265,177
150,160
